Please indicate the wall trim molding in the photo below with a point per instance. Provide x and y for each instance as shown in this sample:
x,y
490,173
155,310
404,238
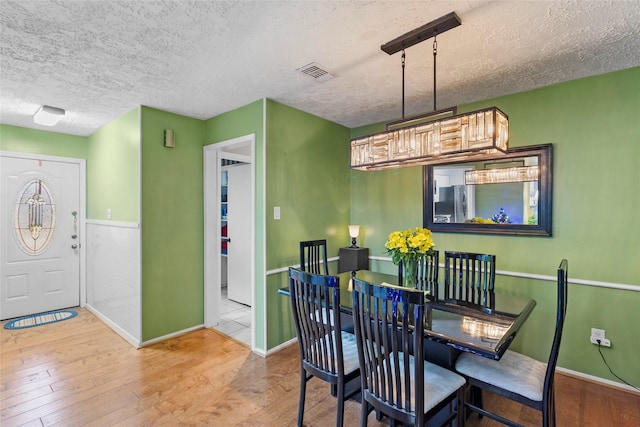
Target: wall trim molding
x,y
597,380
117,329
280,347
583,282
171,335
106,223
286,269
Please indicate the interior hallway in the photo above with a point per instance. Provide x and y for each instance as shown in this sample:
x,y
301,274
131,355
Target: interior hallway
x,y
235,319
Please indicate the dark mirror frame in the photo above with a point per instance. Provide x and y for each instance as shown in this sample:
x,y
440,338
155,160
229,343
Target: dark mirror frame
x,y
545,186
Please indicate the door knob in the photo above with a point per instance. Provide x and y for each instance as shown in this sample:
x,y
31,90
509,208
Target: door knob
x,y
74,246
74,236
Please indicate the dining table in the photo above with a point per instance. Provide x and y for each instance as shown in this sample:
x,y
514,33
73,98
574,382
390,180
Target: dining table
x,y
452,326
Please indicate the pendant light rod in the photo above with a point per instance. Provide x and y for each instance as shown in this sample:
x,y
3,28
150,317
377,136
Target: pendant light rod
x,y
435,52
420,34
403,58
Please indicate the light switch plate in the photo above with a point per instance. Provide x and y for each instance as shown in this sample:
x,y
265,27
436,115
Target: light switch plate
x,y
276,212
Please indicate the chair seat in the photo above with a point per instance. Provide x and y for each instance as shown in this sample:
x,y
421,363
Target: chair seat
x,y
441,382
514,372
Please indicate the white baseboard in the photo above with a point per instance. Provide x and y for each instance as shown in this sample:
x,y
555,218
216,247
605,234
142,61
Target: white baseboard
x,y
172,335
259,352
282,346
132,340
118,330
598,380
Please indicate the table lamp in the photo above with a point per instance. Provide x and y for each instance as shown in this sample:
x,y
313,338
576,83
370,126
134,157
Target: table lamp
x,y
354,230
353,258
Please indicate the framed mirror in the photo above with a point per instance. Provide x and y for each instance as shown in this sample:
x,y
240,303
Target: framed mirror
x,y
506,194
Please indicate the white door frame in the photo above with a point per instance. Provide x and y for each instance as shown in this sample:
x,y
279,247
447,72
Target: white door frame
x,y
232,149
81,211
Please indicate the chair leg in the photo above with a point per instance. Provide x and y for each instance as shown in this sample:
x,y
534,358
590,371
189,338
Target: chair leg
x,y
475,396
460,407
303,391
364,413
549,414
340,417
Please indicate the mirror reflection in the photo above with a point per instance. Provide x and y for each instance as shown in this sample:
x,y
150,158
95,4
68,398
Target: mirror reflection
x,y
498,192
509,194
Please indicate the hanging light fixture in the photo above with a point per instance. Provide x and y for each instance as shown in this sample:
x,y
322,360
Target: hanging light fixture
x,y
469,136
502,175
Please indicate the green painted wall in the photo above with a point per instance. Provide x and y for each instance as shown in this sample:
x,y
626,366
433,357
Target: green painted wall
x,y
301,175
172,224
593,124
23,140
113,170
307,175
245,121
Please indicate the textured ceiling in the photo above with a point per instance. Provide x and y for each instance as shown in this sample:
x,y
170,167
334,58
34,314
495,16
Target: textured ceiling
x,y
100,59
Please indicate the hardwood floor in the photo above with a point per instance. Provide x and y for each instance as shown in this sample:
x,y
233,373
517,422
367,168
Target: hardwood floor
x,y
80,373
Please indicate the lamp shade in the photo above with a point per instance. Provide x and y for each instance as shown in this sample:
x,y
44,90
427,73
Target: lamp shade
x,y
354,230
48,116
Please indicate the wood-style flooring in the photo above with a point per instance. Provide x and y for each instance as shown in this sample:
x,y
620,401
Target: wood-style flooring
x,y
80,373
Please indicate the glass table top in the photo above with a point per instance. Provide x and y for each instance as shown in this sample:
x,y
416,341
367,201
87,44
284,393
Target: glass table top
x,y
487,331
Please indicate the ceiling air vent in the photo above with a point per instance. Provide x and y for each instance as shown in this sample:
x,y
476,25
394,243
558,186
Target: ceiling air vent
x,y
316,71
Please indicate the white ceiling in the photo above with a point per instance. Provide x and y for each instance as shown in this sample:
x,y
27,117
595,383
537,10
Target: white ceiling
x,y
100,59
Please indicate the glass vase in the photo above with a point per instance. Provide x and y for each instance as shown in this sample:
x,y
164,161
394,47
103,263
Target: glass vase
x,y
409,273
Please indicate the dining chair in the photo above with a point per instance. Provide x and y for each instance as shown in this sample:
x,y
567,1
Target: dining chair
x,y
519,377
395,379
469,277
313,257
427,274
326,352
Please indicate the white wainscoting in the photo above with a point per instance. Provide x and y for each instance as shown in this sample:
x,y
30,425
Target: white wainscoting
x,y
113,276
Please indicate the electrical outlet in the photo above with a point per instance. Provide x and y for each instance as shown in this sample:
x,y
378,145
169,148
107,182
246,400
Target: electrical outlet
x,y
598,335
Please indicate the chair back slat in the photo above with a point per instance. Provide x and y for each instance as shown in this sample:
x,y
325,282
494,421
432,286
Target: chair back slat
x,y
391,354
313,257
470,277
326,351
315,303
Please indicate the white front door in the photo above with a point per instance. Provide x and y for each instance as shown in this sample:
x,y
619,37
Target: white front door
x,y
39,235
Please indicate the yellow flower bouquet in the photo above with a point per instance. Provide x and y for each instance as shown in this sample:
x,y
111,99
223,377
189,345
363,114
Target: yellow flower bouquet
x,y
409,247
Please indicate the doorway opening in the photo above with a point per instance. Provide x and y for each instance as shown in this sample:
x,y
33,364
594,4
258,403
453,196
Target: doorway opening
x,y
229,215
